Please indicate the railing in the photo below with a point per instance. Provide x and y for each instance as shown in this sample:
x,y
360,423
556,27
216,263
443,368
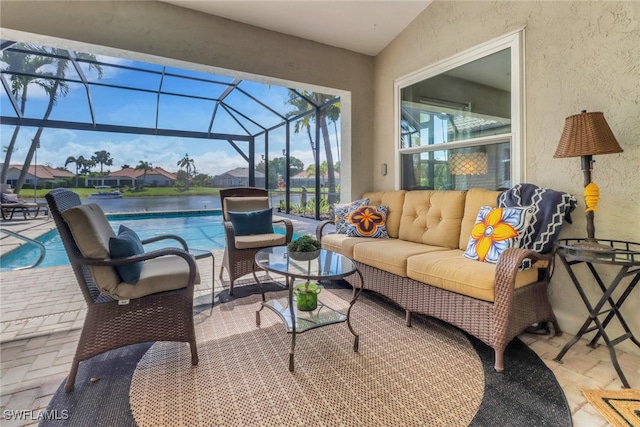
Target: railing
x,y
28,240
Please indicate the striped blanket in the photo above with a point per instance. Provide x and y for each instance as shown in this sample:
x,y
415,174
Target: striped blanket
x,y
550,209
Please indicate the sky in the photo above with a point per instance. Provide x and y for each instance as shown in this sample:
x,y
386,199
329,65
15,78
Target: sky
x,y
134,108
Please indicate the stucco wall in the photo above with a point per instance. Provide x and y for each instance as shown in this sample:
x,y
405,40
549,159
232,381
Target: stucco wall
x,y
160,32
578,55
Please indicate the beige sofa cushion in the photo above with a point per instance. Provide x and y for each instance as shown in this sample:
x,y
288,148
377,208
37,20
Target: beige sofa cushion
x,y
394,200
451,271
432,217
475,199
390,254
244,204
343,244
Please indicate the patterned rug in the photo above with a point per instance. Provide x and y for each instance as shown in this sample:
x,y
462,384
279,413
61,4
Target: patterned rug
x,y
430,374
618,407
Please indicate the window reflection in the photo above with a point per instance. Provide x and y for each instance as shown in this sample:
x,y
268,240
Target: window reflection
x,y
456,125
487,167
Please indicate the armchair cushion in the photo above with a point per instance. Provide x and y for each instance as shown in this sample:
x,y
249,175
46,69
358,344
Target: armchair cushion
x,y
243,204
126,244
260,241
252,222
158,275
91,232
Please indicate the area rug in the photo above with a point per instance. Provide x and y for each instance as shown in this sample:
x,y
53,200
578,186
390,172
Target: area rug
x,y
618,407
429,374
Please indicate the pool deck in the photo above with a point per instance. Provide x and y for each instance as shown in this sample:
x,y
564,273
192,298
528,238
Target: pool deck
x,y
42,313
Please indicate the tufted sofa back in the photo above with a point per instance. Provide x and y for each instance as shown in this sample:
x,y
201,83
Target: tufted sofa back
x,y
432,217
395,201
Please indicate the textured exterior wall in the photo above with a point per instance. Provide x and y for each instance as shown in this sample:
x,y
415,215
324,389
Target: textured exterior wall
x,y
578,55
161,32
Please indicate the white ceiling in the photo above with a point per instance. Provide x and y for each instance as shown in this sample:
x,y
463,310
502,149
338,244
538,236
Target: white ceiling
x,y
361,26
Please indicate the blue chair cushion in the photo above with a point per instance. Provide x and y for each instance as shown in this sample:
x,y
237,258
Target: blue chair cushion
x,y
126,244
251,222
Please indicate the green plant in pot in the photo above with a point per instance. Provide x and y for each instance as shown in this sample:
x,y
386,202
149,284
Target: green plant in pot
x,y
307,296
304,248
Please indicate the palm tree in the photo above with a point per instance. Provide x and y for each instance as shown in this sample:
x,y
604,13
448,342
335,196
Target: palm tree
x,y
79,162
145,166
187,163
55,87
29,64
332,113
102,158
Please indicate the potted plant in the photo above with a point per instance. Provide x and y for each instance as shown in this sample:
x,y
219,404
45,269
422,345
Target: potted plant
x,y
304,248
307,295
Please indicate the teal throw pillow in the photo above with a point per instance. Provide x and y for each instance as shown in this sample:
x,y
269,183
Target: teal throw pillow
x,y
252,222
127,244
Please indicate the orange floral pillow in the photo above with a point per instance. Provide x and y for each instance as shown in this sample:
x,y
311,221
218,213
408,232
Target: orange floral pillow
x,y
497,229
342,213
368,221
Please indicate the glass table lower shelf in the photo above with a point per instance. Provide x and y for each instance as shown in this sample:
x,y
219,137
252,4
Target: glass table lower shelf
x,y
328,265
305,320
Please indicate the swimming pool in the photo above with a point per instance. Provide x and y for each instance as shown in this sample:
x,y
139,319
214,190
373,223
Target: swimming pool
x,y
201,230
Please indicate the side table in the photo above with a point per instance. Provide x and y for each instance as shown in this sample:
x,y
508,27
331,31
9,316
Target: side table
x,y
328,265
625,256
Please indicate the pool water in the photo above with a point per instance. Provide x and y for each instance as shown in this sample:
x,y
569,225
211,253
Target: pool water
x,y
200,230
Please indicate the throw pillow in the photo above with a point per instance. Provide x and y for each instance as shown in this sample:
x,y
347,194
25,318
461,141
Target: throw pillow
x,y
342,212
126,244
252,222
9,198
497,229
368,221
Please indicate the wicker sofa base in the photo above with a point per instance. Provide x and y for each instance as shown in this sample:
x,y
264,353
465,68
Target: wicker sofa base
x,y
482,319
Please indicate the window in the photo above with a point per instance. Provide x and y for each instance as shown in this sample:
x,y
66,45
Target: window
x,y
459,122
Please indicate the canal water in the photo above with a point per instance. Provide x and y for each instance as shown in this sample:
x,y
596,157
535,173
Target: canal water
x,y
169,203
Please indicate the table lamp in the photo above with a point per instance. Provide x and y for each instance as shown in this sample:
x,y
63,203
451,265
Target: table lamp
x,y
585,135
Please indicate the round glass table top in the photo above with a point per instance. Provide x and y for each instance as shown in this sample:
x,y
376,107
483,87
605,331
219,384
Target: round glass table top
x,y
326,265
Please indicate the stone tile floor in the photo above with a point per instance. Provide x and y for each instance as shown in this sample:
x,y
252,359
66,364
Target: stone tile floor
x,y
41,315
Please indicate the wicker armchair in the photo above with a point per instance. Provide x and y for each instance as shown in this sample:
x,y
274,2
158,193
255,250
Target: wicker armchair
x,y
157,308
240,251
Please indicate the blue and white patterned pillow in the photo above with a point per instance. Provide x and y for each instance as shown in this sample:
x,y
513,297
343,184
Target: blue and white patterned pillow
x,y
343,211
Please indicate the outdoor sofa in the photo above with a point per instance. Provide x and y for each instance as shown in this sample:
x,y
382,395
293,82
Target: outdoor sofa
x,y
421,267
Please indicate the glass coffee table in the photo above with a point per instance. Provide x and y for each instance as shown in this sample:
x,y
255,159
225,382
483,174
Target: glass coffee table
x,y
327,265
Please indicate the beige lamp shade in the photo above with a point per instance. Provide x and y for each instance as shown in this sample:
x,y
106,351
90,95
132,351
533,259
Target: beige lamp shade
x,y
468,163
586,134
